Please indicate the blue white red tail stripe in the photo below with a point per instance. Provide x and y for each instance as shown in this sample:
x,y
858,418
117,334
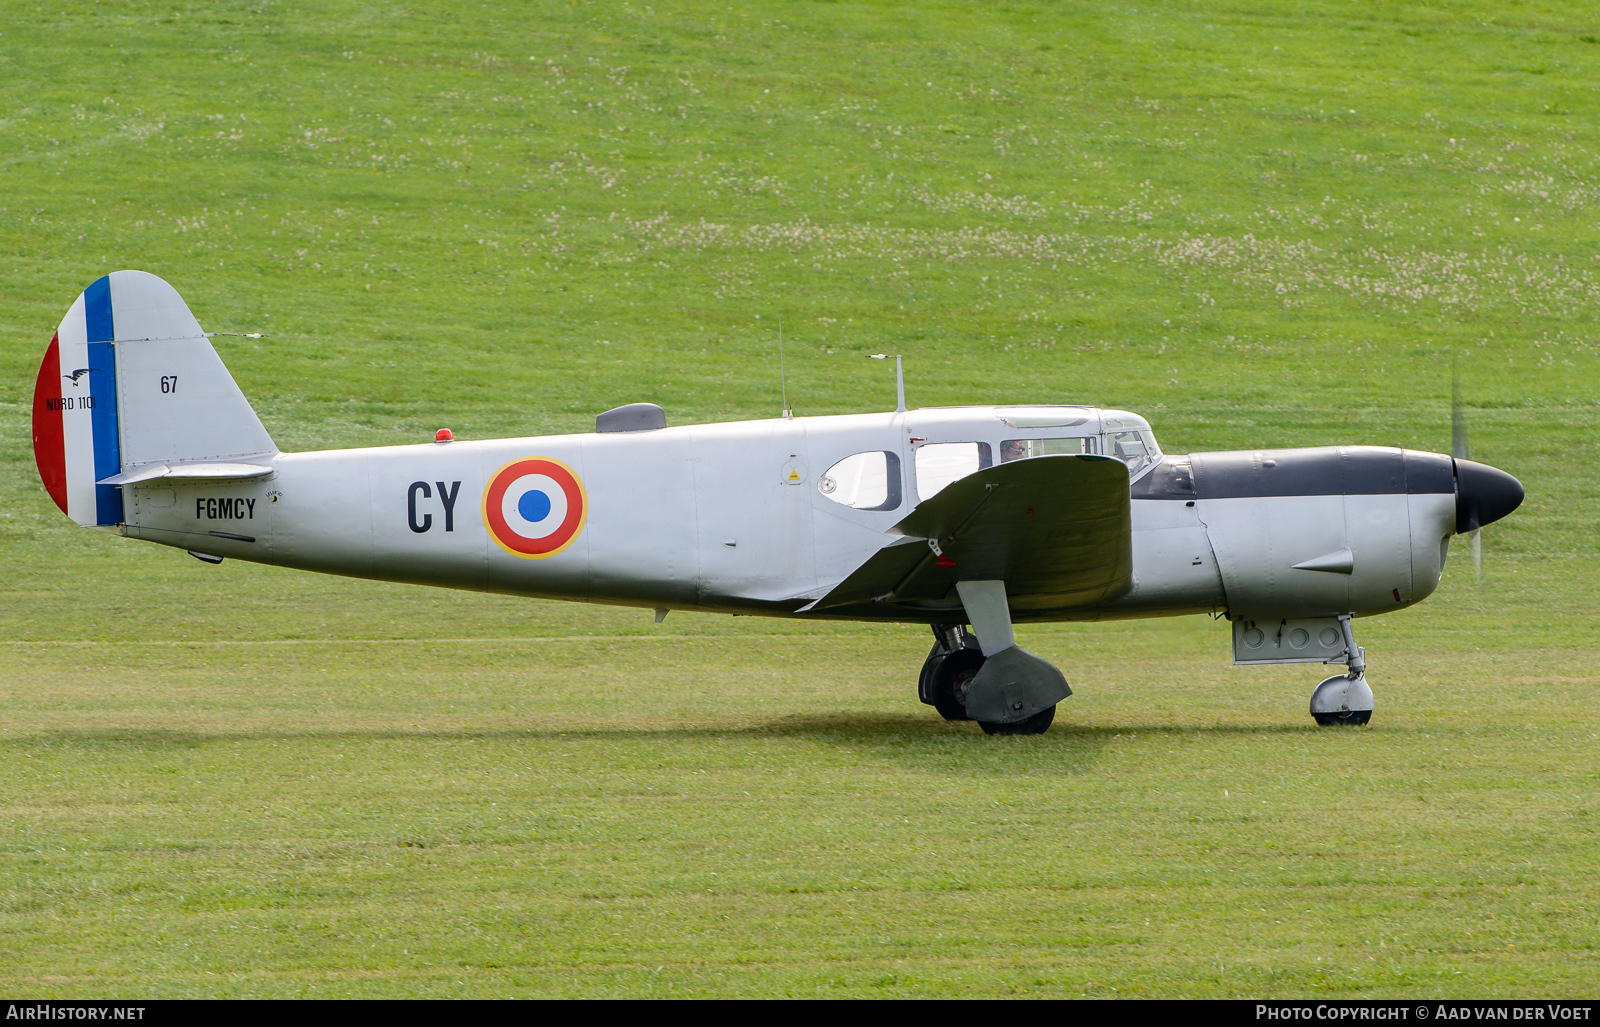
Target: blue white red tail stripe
x,y
98,324
49,450
100,330
76,431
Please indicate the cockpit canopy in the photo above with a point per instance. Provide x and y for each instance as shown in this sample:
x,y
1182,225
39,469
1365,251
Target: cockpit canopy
x,y
1048,431
946,445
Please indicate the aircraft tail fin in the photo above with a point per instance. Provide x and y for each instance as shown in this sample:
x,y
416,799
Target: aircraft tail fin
x,y
130,382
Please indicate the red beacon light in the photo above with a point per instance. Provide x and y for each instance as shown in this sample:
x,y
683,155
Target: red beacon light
x,y
443,435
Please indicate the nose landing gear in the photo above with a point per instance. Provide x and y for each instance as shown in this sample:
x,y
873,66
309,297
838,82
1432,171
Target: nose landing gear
x,y
1345,699
1342,699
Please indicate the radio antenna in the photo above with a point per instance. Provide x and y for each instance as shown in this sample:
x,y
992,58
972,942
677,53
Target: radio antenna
x,y
899,380
783,384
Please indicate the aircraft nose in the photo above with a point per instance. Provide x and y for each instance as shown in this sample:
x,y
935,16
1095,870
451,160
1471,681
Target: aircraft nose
x,y
1484,494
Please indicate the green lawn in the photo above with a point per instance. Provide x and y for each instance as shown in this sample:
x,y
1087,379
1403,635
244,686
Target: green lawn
x,y
1258,224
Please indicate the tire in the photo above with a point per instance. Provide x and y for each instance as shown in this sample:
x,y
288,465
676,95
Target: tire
x,y
1346,718
1037,724
935,657
948,678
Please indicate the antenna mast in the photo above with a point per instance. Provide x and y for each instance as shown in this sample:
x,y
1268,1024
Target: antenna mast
x,y
783,383
899,380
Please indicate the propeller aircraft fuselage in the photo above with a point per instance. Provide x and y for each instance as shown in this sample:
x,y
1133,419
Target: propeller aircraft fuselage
x,y
983,516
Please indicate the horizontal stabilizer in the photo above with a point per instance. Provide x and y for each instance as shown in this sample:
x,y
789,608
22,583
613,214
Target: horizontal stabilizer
x,y
196,474
1056,529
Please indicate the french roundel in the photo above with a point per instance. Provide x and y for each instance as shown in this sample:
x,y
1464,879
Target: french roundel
x,y
534,507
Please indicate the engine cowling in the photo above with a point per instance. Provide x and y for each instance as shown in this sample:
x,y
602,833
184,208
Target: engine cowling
x,y
1347,529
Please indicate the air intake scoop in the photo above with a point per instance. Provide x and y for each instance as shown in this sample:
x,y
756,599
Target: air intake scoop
x,y
633,417
1340,561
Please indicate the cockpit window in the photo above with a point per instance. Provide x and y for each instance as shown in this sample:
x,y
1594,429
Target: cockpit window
x,y
1022,449
940,463
1134,448
866,481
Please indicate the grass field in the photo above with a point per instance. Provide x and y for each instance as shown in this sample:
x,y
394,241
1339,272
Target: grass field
x,y
1258,223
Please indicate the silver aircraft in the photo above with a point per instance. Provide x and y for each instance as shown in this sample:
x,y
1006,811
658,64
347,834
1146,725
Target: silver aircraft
x,y
966,519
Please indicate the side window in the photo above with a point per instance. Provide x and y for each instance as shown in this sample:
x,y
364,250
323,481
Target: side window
x,y
1022,449
941,463
866,481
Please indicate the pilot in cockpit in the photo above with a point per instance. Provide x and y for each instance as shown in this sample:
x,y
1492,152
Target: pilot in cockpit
x,y
1022,449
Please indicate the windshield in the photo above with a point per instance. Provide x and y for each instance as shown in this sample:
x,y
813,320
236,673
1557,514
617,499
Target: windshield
x,y
1137,449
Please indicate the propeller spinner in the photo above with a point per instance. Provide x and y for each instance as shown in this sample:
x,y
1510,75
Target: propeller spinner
x,y
1484,494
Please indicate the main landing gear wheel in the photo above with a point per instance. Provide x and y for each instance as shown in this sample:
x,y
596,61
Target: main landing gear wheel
x,y
1037,724
949,677
1022,681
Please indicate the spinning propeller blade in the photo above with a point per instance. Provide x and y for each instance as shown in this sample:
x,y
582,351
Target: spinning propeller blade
x,y
1460,450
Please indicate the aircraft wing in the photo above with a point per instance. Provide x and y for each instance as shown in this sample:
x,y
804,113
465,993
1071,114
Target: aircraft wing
x,y
1056,529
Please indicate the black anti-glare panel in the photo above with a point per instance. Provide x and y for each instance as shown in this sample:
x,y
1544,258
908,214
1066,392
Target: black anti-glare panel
x,y
1327,471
